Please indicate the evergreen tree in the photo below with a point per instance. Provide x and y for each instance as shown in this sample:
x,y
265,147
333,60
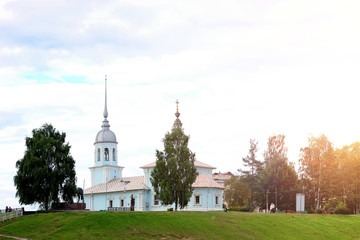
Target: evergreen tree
x,y
251,176
47,169
279,175
174,173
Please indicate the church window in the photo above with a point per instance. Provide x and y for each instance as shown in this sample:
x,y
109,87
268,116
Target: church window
x,y
122,203
98,155
197,199
114,155
156,200
106,154
216,200
110,203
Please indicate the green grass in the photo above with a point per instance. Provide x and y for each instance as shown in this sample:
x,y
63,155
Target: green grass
x,y
183,225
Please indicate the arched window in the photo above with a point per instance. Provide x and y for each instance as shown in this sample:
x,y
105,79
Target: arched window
x,y
98,155
114,155
106,154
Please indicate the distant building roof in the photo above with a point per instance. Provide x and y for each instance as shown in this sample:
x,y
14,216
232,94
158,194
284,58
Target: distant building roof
x,y
227,173
222,176
118,185
204,181
197,164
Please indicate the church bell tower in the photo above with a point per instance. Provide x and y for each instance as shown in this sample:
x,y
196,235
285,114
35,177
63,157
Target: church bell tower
x,y
105,156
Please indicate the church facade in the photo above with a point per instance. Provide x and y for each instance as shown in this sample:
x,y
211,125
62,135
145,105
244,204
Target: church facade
x,y
110,190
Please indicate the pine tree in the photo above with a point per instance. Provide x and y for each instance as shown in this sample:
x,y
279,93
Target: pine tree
x,y
251,176
279,175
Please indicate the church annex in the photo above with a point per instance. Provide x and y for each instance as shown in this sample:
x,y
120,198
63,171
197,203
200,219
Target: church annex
x,y
111,191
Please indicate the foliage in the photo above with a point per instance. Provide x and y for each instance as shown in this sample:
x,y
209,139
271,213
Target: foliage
x,y
317,163
332,203
251,176
240,208
342,209
250,160
311,210
174,173
348,159
319,211
305,185
279,175
237,192
182,225
47,169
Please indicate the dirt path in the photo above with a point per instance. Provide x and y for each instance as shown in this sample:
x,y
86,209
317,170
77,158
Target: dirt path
x,y
19,238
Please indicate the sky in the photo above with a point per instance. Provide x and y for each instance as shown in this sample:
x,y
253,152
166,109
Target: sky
x,y
241,70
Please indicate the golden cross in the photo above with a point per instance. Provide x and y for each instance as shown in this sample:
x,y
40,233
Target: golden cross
x,y
177,104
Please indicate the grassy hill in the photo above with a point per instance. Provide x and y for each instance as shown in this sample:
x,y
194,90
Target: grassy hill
x,y
182,225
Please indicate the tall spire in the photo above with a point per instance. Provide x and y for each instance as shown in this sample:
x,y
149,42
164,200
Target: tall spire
x,y
177,122
105,124
105,109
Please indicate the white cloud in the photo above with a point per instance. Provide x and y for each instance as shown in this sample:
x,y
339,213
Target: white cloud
x,y
5,12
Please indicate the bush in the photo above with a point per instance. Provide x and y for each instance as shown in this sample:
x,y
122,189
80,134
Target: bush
x,y
332,204
342,209
311,210
234,208
319,211
240,208
170,209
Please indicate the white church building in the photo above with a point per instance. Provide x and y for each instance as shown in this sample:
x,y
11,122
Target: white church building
x,y
111,191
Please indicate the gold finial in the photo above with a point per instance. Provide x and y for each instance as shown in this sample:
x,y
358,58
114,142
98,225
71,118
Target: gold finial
x,y
177,122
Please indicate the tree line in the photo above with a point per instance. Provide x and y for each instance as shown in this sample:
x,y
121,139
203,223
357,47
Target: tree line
x,y
328,177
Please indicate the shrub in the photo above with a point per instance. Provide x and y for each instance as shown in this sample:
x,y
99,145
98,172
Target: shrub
x,y
234,208
319,211
342,209
170,209
245,209
331,204
240,208
311,210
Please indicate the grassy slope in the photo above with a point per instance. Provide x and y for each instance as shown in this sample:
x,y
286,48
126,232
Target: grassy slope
x,y
190,225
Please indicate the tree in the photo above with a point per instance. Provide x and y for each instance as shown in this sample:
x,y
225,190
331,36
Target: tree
x,y
250,160
279,175
47,169
349,175
317,163
174,173
237,192
251,176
